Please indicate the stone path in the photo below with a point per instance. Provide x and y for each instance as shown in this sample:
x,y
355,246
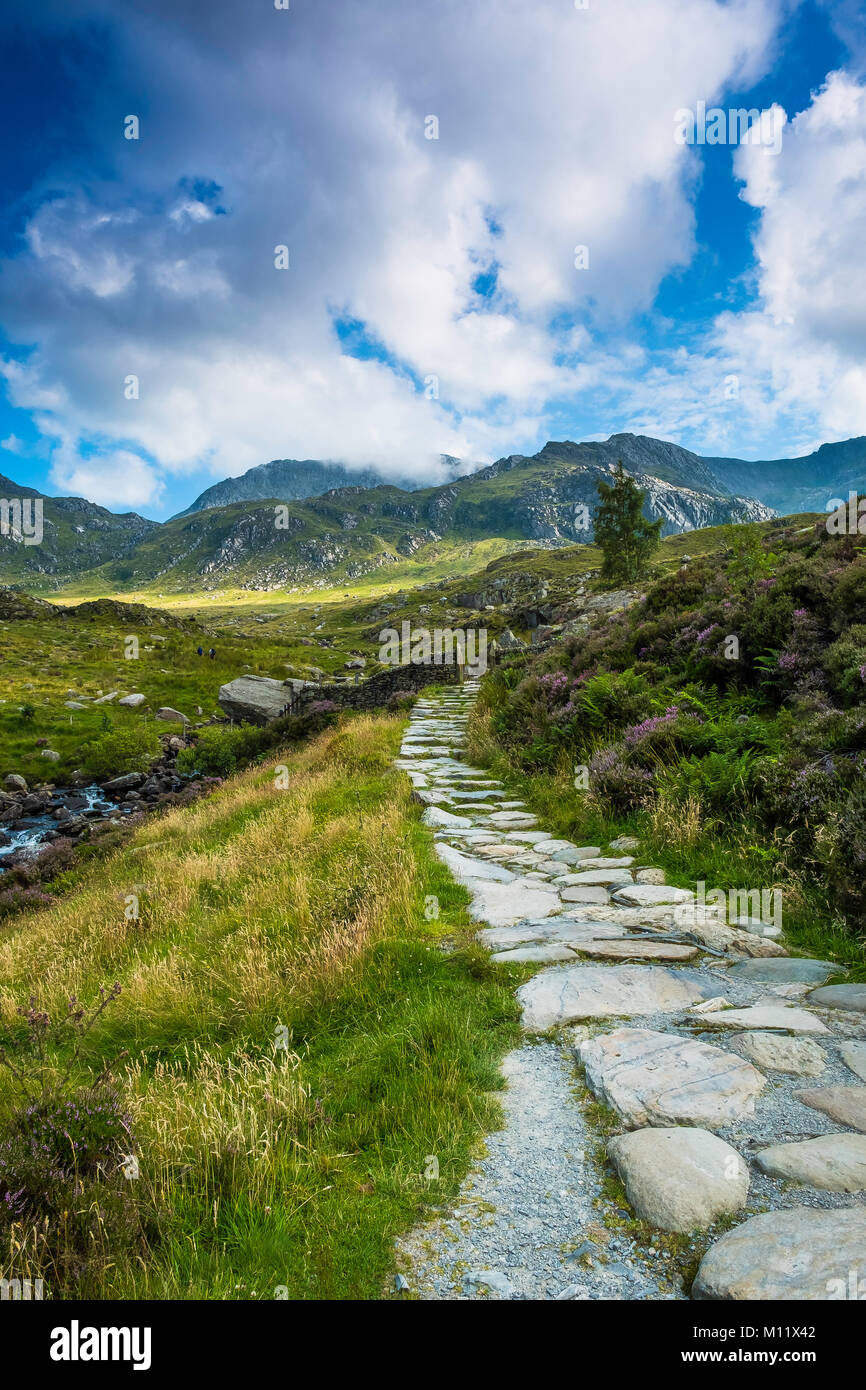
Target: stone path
x,y
697,1035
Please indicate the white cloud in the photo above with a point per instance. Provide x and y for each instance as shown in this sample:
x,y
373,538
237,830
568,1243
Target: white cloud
x,y
556,128
117,479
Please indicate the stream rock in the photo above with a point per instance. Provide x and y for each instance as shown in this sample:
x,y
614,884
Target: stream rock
x,y
126,782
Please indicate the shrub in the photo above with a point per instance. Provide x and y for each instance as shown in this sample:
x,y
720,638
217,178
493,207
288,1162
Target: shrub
x,y
397,700
843,849
617,780
19,898
120,750
846,665
718,781
64,1194
220,750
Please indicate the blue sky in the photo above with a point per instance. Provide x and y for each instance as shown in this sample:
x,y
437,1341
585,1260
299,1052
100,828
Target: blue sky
x,y
433,300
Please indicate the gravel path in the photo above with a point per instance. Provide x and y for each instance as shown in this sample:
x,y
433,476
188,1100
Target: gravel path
x,y
532,1220
524,1226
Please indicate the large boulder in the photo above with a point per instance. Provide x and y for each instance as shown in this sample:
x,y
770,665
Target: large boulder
x,y
256,699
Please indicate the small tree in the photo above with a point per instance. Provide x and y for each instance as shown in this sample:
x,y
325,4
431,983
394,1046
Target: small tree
x,y
625,535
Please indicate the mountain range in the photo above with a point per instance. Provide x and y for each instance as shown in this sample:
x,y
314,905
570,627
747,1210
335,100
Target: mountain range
x,y
290,480
786,485
266,530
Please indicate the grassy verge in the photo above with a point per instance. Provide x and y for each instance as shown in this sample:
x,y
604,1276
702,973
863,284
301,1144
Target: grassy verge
x,y
299,1042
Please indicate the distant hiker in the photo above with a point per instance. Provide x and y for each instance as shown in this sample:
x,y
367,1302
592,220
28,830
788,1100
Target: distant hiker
x,y
212,653
201,651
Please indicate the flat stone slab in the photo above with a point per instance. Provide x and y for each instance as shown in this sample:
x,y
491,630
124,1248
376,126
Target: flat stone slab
x,y
608,878
503,904
444,820
562,929
600,862
509,818
833,1162
432,798
552,847
800,1254
544,951
661,1079
467,869
770,1016
851,997
755,926
585,893
853,1054
625,948
844,1104
773,1052
652,895
574,854
577,992
679,1179
784,970
491,795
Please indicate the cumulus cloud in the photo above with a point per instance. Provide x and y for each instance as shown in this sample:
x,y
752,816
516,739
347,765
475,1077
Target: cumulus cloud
x,y
456,255
796,355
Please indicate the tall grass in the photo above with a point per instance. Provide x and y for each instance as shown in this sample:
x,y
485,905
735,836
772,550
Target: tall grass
x,y
299,1042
